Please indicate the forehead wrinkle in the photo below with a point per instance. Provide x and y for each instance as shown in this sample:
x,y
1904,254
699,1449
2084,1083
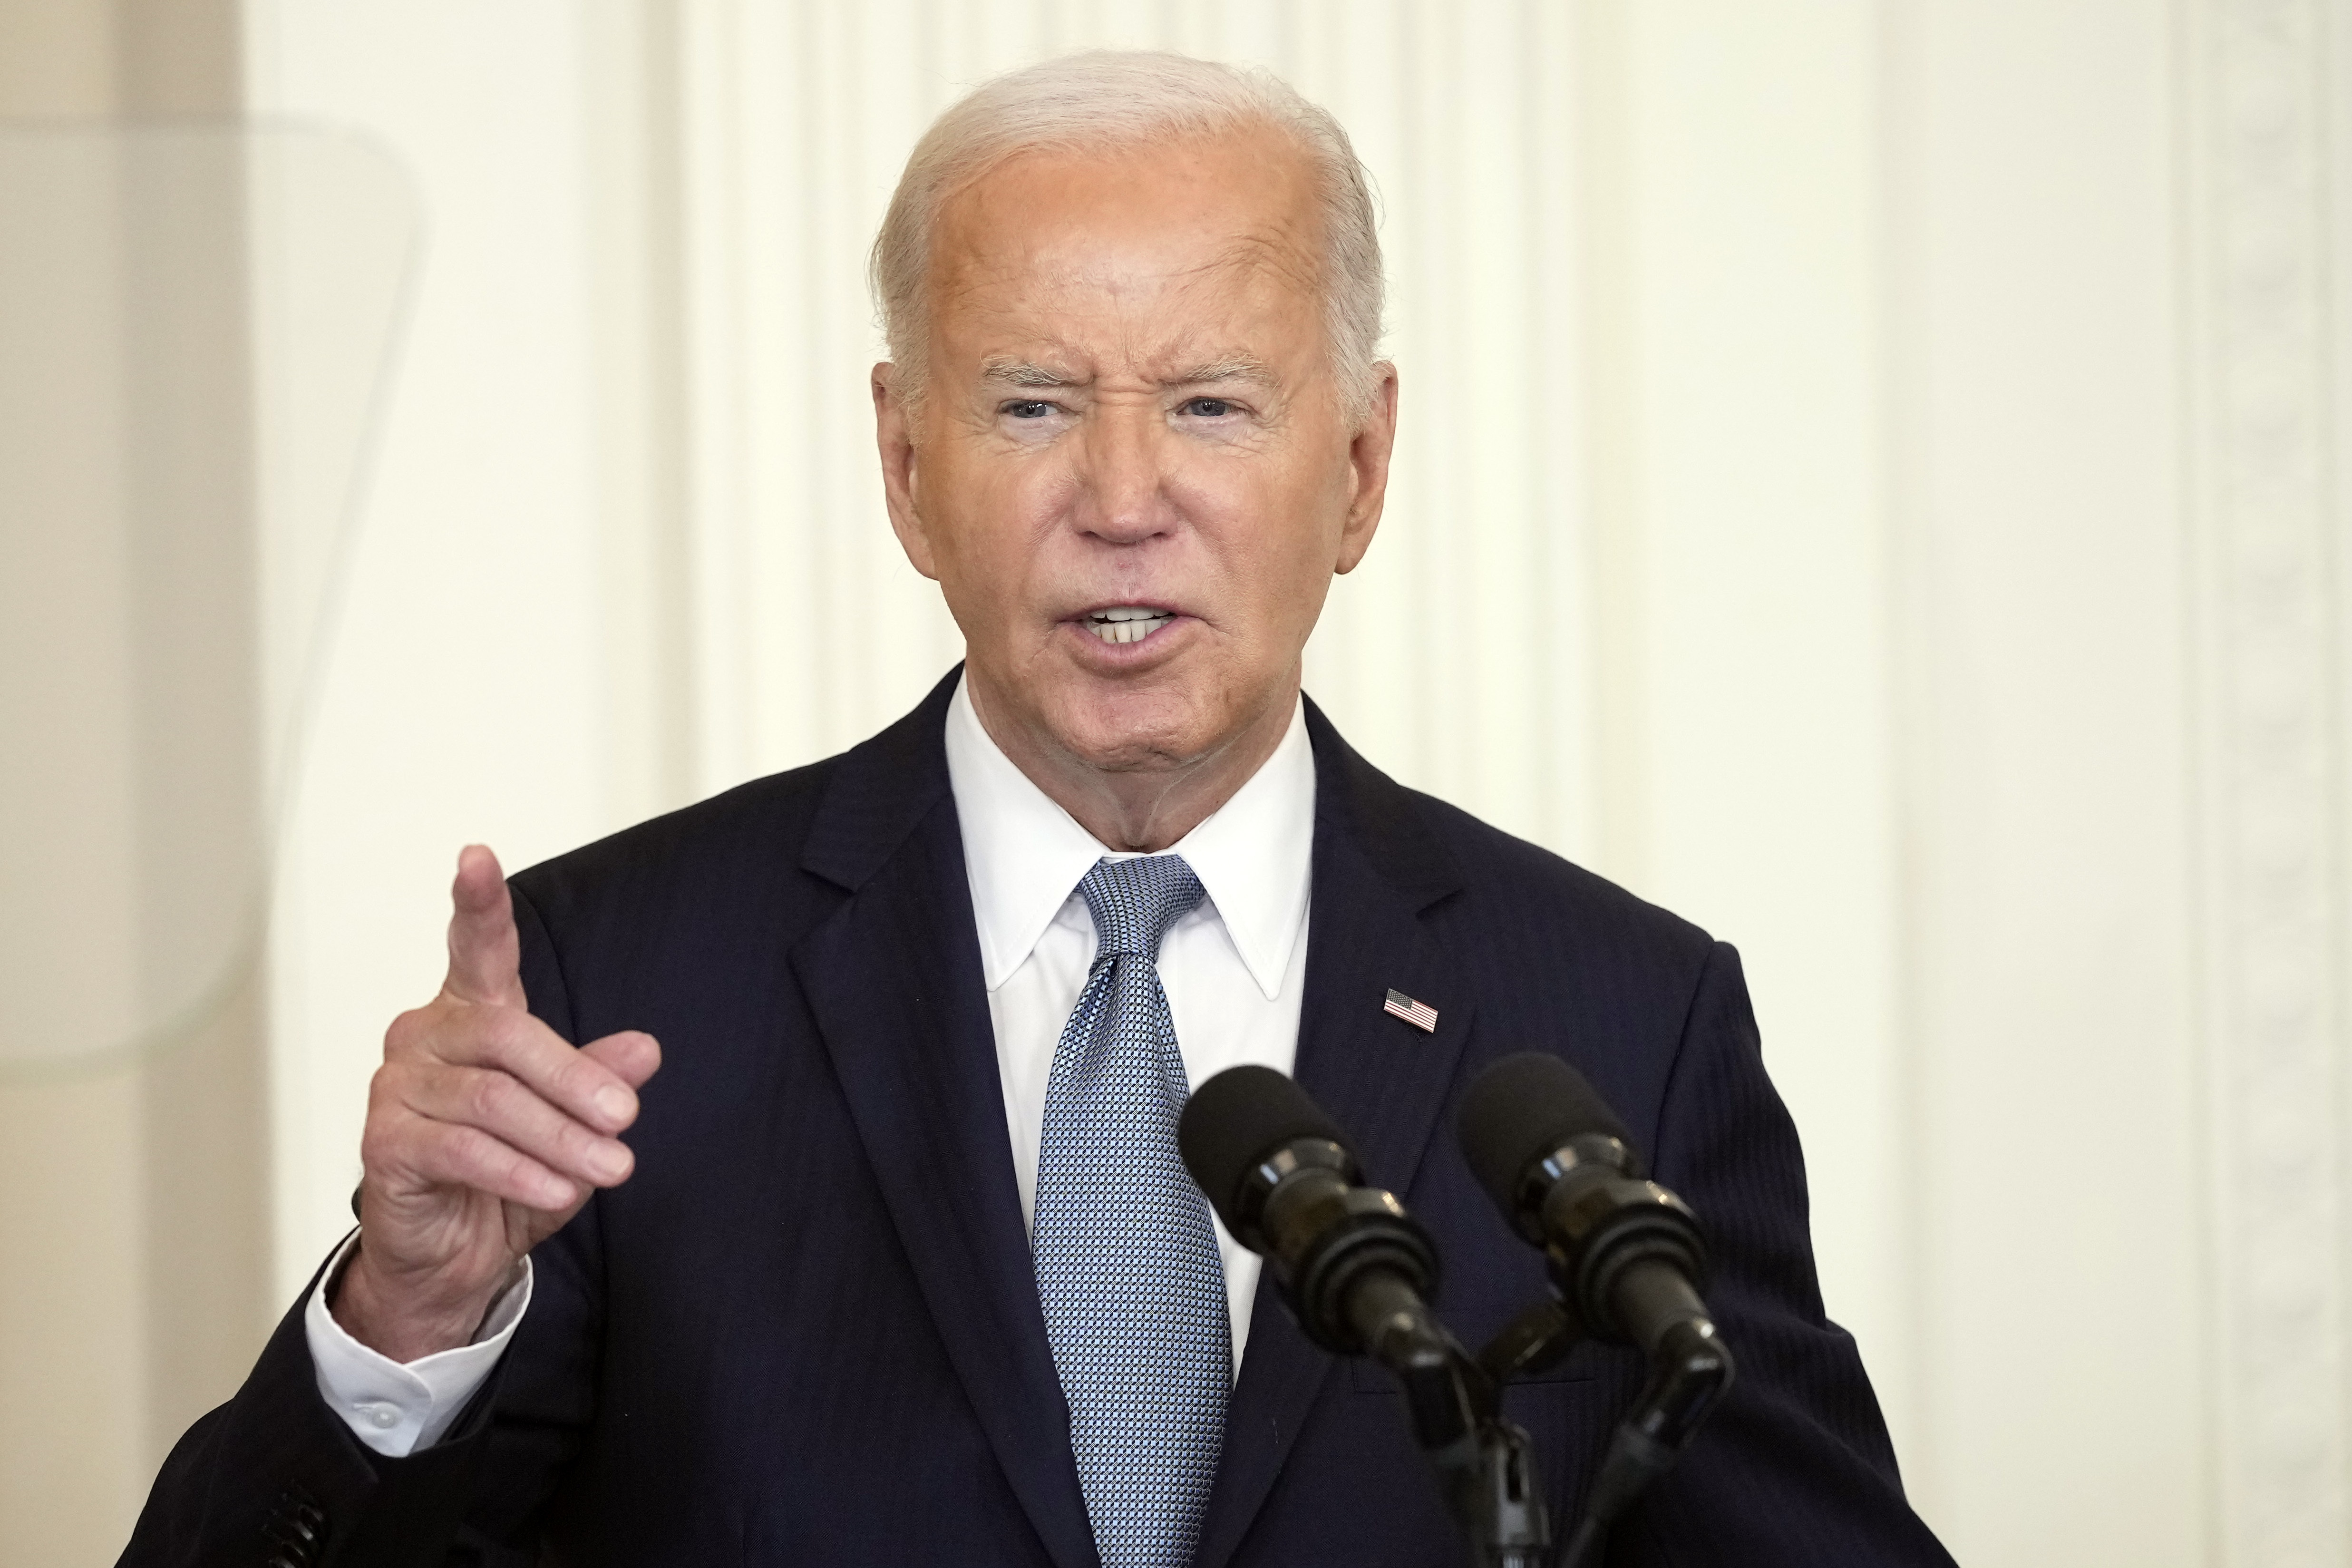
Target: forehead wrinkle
x,y
1279,254
1125,305
1276,255
1291,246
1252,253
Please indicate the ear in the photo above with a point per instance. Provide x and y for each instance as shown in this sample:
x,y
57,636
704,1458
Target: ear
x,y
894,437
1368,462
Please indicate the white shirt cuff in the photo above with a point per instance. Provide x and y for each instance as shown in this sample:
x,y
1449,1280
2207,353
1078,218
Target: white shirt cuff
x,y
394,1409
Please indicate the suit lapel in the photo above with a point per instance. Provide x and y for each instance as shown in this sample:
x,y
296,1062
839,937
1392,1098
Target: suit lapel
x,y
894,980
1377,868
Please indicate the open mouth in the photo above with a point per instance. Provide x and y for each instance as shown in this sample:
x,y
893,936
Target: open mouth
x,y
1126,623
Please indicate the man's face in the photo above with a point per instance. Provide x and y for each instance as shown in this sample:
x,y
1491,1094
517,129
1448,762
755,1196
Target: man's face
x,y
1133,477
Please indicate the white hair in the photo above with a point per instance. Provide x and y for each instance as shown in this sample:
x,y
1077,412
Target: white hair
x,y
1105,99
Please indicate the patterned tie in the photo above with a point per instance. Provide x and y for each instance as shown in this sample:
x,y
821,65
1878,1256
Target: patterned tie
x,y
1127,1260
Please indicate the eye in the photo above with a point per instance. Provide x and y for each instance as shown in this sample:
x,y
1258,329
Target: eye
x,y
1208,408
1028,408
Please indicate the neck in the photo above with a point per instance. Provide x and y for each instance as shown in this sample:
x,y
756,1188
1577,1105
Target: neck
x,y
1143,810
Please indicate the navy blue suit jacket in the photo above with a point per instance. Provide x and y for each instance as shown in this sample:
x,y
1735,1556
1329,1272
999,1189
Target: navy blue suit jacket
x,y
807,1332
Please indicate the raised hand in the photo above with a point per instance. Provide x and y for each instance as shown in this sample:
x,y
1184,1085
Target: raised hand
x,y
485,1132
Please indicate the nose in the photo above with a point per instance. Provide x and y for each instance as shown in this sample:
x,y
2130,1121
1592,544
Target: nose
x,y
1123,497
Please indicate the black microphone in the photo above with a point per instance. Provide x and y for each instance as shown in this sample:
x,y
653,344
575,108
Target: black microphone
x,y
1626,1255
1358,1273
1353,1267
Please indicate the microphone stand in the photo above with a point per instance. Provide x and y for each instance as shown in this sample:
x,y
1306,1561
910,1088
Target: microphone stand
x,y
1689,1371
1690,1368
1485,1463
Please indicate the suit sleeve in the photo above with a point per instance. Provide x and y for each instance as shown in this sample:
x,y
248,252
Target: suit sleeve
x,y
275,1477
1795,1466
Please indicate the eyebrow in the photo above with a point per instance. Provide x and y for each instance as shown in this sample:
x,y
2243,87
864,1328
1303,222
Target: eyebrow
x,y
1024,373
1028,373
1236,367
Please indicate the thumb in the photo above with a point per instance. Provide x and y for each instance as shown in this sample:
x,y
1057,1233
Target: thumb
x,y
485,953
632,1055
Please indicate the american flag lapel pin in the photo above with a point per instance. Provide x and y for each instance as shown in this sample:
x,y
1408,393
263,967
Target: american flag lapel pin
x,y
1420,1014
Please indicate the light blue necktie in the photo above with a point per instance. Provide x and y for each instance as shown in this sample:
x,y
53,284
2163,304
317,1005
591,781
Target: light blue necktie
x,y
1127,1260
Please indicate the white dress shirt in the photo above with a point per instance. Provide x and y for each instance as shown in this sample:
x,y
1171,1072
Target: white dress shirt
x,y
1232,968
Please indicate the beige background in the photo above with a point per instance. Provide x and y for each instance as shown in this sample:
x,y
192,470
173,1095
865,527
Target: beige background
x,y
1872,482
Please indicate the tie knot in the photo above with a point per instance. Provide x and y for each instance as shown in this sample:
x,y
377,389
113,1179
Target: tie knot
x,y
1135,902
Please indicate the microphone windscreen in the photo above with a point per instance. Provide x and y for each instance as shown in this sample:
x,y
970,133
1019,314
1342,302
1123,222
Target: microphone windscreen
x,y
1521,1109
1237,1119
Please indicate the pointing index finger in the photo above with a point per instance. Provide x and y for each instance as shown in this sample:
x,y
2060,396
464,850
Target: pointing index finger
x,y
485,953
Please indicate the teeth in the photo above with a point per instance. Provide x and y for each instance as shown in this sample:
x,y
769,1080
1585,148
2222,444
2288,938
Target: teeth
x,y
1127,622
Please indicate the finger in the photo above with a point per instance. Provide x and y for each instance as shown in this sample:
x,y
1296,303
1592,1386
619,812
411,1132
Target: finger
x,y
497,1103
632,1056
485,953
574,1082
445,1154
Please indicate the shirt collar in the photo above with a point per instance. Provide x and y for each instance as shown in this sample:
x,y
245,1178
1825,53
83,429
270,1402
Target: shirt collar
x,y
1025,854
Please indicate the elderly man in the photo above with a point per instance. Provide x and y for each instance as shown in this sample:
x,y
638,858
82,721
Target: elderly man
x,y
894,1259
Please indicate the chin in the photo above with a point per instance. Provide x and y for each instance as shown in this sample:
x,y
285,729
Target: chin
x,y
1121,729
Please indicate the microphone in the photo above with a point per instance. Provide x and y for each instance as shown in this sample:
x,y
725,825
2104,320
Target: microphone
x,y
1356,1273
1626,1255
1354,1268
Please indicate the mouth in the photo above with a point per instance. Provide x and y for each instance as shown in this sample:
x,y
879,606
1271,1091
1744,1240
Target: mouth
x,y
1125,622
